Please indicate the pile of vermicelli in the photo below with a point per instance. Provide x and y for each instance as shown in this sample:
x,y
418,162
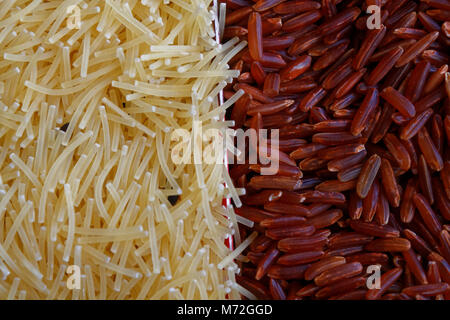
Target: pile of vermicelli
x,y
86,177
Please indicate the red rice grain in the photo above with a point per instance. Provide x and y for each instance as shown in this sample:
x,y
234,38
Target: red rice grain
x,y
369,258
368,175
337,273
384,66
414,50
355,207
323,265
296,6
390,183
348,239
289,209
276,290
399,102
345,285
415,124
289,232
283,221
255,44
307,291
429,150
427,214
302,20
272,86
425,178
415,266
325,219
287,272
382,231
387,279
371,42
398,151
302,244
388,245
351,295
263,5
426,289
370,203
300,258
295,68
367,108
269,258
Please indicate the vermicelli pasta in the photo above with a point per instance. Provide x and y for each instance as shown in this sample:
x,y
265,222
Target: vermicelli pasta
x,y
87,177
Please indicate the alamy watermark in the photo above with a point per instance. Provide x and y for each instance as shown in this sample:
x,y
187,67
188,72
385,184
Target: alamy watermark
x,y
74,280
374,280
213,146
374,20
74,18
